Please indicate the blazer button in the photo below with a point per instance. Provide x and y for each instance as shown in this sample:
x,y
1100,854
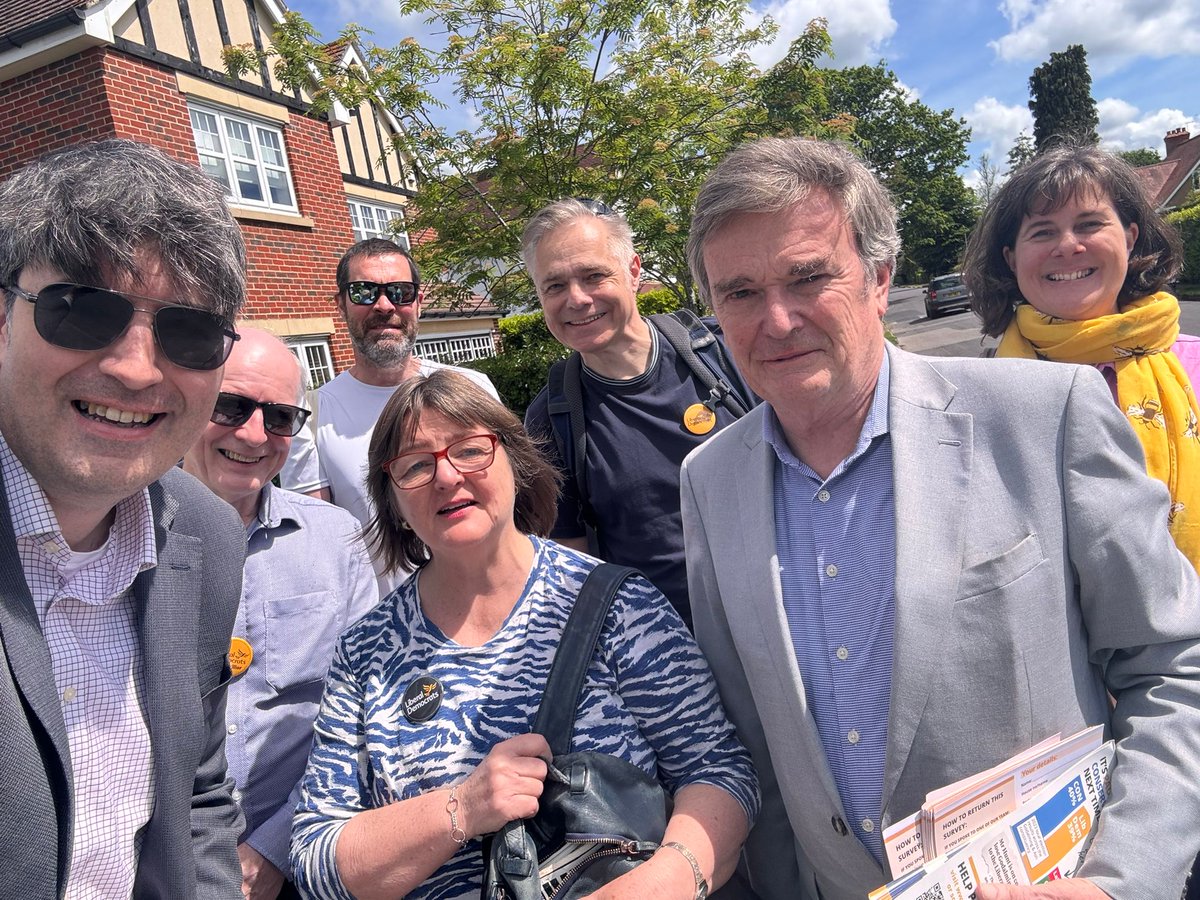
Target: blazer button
x,y
839,826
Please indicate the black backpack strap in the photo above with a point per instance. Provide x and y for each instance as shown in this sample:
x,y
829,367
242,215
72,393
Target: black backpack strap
x,y
556,715
564,403
697,346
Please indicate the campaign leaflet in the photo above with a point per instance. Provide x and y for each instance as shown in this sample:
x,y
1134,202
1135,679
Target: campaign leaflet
x,y
951,815
1043,840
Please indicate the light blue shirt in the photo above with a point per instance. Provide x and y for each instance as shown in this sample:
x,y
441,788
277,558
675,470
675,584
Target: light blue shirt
x,y
836,541
307,579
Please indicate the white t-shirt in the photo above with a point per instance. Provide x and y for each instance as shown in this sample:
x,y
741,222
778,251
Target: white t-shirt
x,y
337,459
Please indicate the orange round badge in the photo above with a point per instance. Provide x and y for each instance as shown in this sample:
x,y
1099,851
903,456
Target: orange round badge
x,y
699,419
240,655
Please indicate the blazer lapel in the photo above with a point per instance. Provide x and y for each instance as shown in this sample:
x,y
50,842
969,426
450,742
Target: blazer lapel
x,y
931,449
777,673
28,659
167,599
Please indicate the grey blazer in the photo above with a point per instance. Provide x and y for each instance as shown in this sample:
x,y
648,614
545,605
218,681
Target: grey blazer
x,y
1034,572
186,606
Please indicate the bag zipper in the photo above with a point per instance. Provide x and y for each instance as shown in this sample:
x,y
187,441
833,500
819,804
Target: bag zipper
x,y
621,847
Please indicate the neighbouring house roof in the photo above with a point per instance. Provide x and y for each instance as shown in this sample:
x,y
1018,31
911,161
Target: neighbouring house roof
x,y
17,16
1163,180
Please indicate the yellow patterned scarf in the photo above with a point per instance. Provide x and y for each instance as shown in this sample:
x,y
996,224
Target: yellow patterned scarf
x,y
1152,389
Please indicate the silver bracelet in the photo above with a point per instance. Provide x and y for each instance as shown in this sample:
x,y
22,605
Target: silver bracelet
x,y
701,882
456,833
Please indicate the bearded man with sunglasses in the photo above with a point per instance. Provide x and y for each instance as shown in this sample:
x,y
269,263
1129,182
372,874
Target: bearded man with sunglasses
x,y
307,578
379,296
122,272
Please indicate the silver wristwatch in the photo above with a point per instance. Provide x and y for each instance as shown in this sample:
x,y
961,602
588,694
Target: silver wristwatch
x,y
701,884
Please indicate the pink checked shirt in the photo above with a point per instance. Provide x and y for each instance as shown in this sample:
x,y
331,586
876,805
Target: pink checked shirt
x,y
86,609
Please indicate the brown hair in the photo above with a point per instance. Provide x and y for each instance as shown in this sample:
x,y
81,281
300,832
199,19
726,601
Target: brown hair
x,y
1050,180
465,403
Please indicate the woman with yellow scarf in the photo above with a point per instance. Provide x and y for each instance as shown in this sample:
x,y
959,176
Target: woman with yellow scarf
x,y
1069,263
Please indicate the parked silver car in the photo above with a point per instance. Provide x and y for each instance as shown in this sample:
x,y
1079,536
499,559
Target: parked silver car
x,y
946,292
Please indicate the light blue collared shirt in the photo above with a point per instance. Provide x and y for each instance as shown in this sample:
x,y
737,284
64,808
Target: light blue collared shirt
x,y
836,541
307,579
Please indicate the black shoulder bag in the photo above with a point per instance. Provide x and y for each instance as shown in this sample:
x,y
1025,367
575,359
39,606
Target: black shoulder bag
x,y
599,816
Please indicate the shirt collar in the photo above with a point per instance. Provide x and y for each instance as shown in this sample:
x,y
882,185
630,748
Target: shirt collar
x,y
131,535
274,509
875,425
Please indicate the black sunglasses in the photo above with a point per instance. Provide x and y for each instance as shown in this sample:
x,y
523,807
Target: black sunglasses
x,y
282,419
366,293
78,317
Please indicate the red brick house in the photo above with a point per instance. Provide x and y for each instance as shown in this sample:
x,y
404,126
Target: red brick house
x,y
303,187
1170,181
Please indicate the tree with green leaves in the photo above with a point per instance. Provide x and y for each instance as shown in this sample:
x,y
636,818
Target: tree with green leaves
x,y
1142,156
915,151
623,101
1021,152
1060,91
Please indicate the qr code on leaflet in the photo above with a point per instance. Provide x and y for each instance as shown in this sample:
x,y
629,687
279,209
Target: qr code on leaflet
x,y
934,893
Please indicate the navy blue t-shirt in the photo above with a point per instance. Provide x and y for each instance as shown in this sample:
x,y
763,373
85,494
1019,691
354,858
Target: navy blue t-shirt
x,y
636,442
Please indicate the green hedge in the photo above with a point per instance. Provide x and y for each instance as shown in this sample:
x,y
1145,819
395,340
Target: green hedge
x,y
1188,223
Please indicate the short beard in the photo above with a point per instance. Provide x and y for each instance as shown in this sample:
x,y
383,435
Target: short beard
x,y
386,354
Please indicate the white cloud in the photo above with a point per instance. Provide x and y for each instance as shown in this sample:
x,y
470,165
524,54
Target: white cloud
x,y
1124,127
858,30
1113,31
997,125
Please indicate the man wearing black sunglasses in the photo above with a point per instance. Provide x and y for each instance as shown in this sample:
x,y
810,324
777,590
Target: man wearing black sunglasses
x,y
122,272
307,578
379,296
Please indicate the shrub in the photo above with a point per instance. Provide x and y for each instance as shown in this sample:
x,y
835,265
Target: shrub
x,y
1188,223
527,350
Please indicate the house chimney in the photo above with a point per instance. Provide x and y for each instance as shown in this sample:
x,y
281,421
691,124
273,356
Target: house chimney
x,y
1176,138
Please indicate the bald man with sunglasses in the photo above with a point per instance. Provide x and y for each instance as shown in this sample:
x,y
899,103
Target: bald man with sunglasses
x,y
307,578
122,271
379,297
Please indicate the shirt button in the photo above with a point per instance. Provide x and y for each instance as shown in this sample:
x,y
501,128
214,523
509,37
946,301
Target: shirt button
x,y
51,546
843,654
852,737
237,796
232,729
69,694
868,826
823,495
831,570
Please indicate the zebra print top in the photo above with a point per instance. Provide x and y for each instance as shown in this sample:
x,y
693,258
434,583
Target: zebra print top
x,y
648,697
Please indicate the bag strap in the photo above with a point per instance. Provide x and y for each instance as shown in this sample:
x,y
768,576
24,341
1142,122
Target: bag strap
x,y
692,340
556,714
564,403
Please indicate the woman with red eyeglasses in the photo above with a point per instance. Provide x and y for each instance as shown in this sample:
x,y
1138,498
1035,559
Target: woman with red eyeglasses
x,y
423,744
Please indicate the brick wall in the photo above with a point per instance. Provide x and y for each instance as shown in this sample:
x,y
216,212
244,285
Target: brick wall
x,y
61,104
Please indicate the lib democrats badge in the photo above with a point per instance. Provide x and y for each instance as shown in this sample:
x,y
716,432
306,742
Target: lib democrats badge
x,y
422,699
699,419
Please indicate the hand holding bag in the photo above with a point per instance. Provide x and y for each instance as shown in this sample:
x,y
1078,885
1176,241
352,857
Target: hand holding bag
x,y
599,816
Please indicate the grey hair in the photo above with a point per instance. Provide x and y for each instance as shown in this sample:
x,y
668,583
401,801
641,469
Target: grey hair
x,y
560,212
772,174
91,210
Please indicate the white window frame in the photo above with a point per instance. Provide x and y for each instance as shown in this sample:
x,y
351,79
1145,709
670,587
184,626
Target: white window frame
x,y
379,216
315,358
457,348
266,139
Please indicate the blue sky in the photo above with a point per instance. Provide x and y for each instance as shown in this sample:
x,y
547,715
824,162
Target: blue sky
x,y
972,56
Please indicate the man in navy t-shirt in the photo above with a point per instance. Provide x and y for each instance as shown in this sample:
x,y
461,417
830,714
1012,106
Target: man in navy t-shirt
x,y
642,404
